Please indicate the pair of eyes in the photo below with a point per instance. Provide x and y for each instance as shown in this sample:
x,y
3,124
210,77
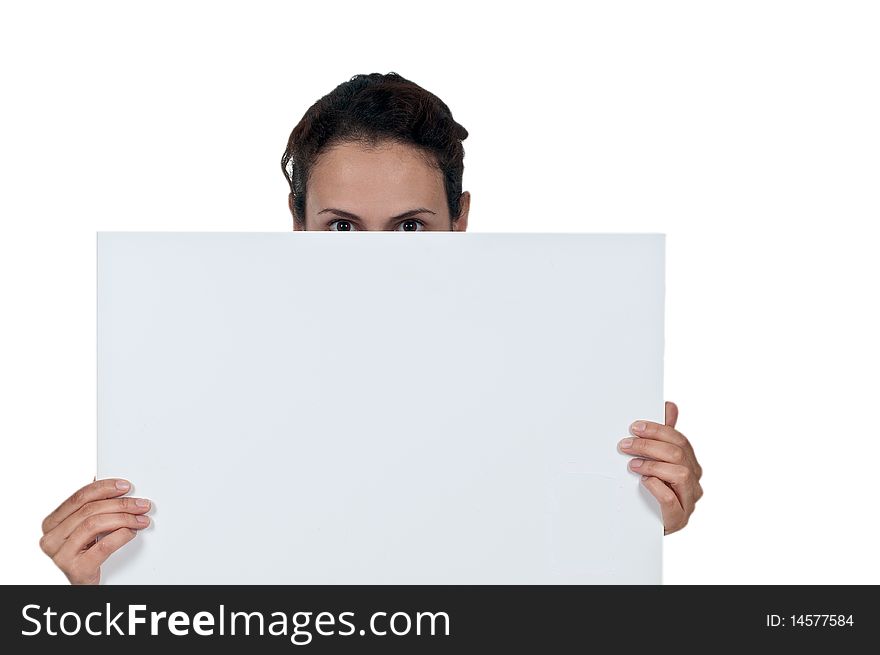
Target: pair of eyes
x,y
409,225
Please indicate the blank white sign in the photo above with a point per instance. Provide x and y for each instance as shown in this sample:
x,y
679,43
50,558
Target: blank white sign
x,y
381,407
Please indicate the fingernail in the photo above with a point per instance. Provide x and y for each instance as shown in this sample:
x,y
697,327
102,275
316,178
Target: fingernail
x,y
143,520
122,485
142,502
626,443
636,463
639,427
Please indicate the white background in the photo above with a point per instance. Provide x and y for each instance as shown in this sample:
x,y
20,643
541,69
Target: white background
x,y
748,132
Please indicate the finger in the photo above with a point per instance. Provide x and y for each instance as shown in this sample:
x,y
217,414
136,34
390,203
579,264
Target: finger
x,y
671,435
659,432
87,531
671,413
670,508
679,478
650,430
87,568
665,452
99,490
53,540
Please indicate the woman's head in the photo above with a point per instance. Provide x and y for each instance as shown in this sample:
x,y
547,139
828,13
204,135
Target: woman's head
x,y
377,153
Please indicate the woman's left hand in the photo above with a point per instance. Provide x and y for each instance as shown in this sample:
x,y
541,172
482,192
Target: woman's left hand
x,y
669,468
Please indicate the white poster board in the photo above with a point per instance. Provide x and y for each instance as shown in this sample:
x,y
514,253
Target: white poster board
x,y
381,407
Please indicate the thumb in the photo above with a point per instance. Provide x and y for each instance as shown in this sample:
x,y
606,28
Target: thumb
x,y
671,414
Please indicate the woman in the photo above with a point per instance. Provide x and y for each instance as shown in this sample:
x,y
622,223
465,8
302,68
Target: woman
x,y
377,153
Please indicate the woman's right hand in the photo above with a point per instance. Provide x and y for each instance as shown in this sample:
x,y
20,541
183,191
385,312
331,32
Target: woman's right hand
x,y
70,533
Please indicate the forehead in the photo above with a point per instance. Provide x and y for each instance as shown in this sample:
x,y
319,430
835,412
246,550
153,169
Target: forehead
x,y
387,177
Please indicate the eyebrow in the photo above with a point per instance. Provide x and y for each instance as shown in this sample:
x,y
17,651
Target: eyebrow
x,y
355,217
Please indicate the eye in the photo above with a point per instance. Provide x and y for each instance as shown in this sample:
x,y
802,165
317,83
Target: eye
x,y
341,225
411,225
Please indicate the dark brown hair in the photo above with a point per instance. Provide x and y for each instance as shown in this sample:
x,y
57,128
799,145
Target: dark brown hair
x,y
372,108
